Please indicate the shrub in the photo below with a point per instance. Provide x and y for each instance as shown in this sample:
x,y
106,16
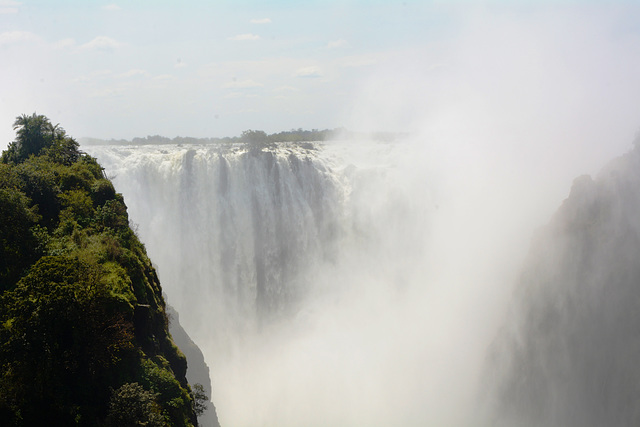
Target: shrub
x,y
131,406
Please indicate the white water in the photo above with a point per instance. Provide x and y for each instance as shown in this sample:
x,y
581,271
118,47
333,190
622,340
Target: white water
x,y
353,284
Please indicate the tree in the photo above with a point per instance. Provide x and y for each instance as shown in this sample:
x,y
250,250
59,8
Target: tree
x,y
200,399
17,241
132,405
254,136
64,335
64,149
34,134
256,139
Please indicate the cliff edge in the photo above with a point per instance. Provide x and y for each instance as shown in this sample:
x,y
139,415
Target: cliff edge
x,y
83,326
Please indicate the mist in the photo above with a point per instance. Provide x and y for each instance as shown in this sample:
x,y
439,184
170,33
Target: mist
x,y
390,268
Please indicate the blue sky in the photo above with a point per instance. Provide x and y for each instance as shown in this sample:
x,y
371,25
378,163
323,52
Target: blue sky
x,y
216,68
204,68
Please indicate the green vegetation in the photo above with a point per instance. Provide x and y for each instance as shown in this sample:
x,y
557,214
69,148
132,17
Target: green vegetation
x,y
200,399
83,331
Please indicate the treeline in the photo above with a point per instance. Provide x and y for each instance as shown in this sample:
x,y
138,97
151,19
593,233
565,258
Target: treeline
x,y
253,136
83,331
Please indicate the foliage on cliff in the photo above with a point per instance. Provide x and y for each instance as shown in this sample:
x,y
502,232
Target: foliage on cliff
x,y
83,329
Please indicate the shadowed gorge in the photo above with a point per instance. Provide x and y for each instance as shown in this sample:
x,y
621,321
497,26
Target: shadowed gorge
x,y
568,354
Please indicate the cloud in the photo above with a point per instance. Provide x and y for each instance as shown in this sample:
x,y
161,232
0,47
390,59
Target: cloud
x,y
237,95
241,84
93,76
8,7
132,73
111,7
106,92
337,44
308,72
286,89
244,37
15,37
261,21
437,66
163,77
101,43
64,43
364,60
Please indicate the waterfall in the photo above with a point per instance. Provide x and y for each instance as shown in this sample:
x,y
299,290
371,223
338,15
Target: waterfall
x,y
344,283
296,260
234,233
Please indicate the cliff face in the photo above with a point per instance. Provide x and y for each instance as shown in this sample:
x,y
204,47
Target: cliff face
x,y
198,371
568,354
84,335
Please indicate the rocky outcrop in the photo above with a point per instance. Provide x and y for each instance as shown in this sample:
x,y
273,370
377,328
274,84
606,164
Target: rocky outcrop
x,y
197,369
568,353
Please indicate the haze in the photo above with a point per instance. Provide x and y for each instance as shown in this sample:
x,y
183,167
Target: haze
x,y
505,104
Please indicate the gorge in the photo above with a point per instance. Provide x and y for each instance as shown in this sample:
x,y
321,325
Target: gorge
x,y
354,283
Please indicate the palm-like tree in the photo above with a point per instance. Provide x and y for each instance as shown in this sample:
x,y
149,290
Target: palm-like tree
x,y
35,133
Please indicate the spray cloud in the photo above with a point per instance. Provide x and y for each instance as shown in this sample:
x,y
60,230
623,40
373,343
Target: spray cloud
x,y
407,253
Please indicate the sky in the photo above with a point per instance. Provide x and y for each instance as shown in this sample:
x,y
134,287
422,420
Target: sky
x,y
194,68
216,68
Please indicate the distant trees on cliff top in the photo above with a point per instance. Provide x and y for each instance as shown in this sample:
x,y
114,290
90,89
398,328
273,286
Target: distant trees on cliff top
x,y
254,137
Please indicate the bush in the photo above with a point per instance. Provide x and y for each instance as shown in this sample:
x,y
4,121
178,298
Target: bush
x,y
101,191
18,244
200,399
132,405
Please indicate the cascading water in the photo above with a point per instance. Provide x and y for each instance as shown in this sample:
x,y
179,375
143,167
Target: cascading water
x,y
344,283
271,254
234,233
